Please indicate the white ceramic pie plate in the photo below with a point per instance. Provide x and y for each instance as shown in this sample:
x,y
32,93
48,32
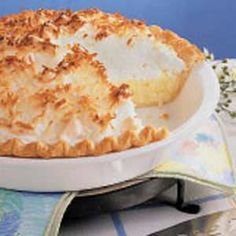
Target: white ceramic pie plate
x,y
195,103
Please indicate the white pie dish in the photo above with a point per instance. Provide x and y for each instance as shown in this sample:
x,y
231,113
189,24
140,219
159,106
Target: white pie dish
x,y
195,103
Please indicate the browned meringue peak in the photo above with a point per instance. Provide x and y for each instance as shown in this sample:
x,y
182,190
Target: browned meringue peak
x,y
129,49
43,24
76,93
44,37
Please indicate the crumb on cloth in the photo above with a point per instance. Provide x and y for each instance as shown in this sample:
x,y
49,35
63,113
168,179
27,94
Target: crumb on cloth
x,y
164,116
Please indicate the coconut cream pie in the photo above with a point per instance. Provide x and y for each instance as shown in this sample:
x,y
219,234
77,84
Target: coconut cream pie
x,y
69,81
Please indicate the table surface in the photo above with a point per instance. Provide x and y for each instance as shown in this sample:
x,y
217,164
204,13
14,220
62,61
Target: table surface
x,y
206,23
148,220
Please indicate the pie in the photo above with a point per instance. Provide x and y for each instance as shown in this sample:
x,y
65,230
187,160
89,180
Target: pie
x,y
70,81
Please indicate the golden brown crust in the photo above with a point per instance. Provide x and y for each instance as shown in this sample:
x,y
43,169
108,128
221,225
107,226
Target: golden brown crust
x,y
129,139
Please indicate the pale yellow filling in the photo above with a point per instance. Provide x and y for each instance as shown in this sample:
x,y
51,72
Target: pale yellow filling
x,y
152,92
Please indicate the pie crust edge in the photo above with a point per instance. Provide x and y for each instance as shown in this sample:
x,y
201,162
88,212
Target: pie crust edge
x,y
129,139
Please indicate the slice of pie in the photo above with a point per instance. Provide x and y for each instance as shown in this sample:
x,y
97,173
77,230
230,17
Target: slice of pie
x,y
69,81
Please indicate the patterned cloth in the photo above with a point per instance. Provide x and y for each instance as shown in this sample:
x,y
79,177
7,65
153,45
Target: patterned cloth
x,y
201,157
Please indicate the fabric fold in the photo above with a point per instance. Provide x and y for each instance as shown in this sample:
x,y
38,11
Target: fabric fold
x,y
202,157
